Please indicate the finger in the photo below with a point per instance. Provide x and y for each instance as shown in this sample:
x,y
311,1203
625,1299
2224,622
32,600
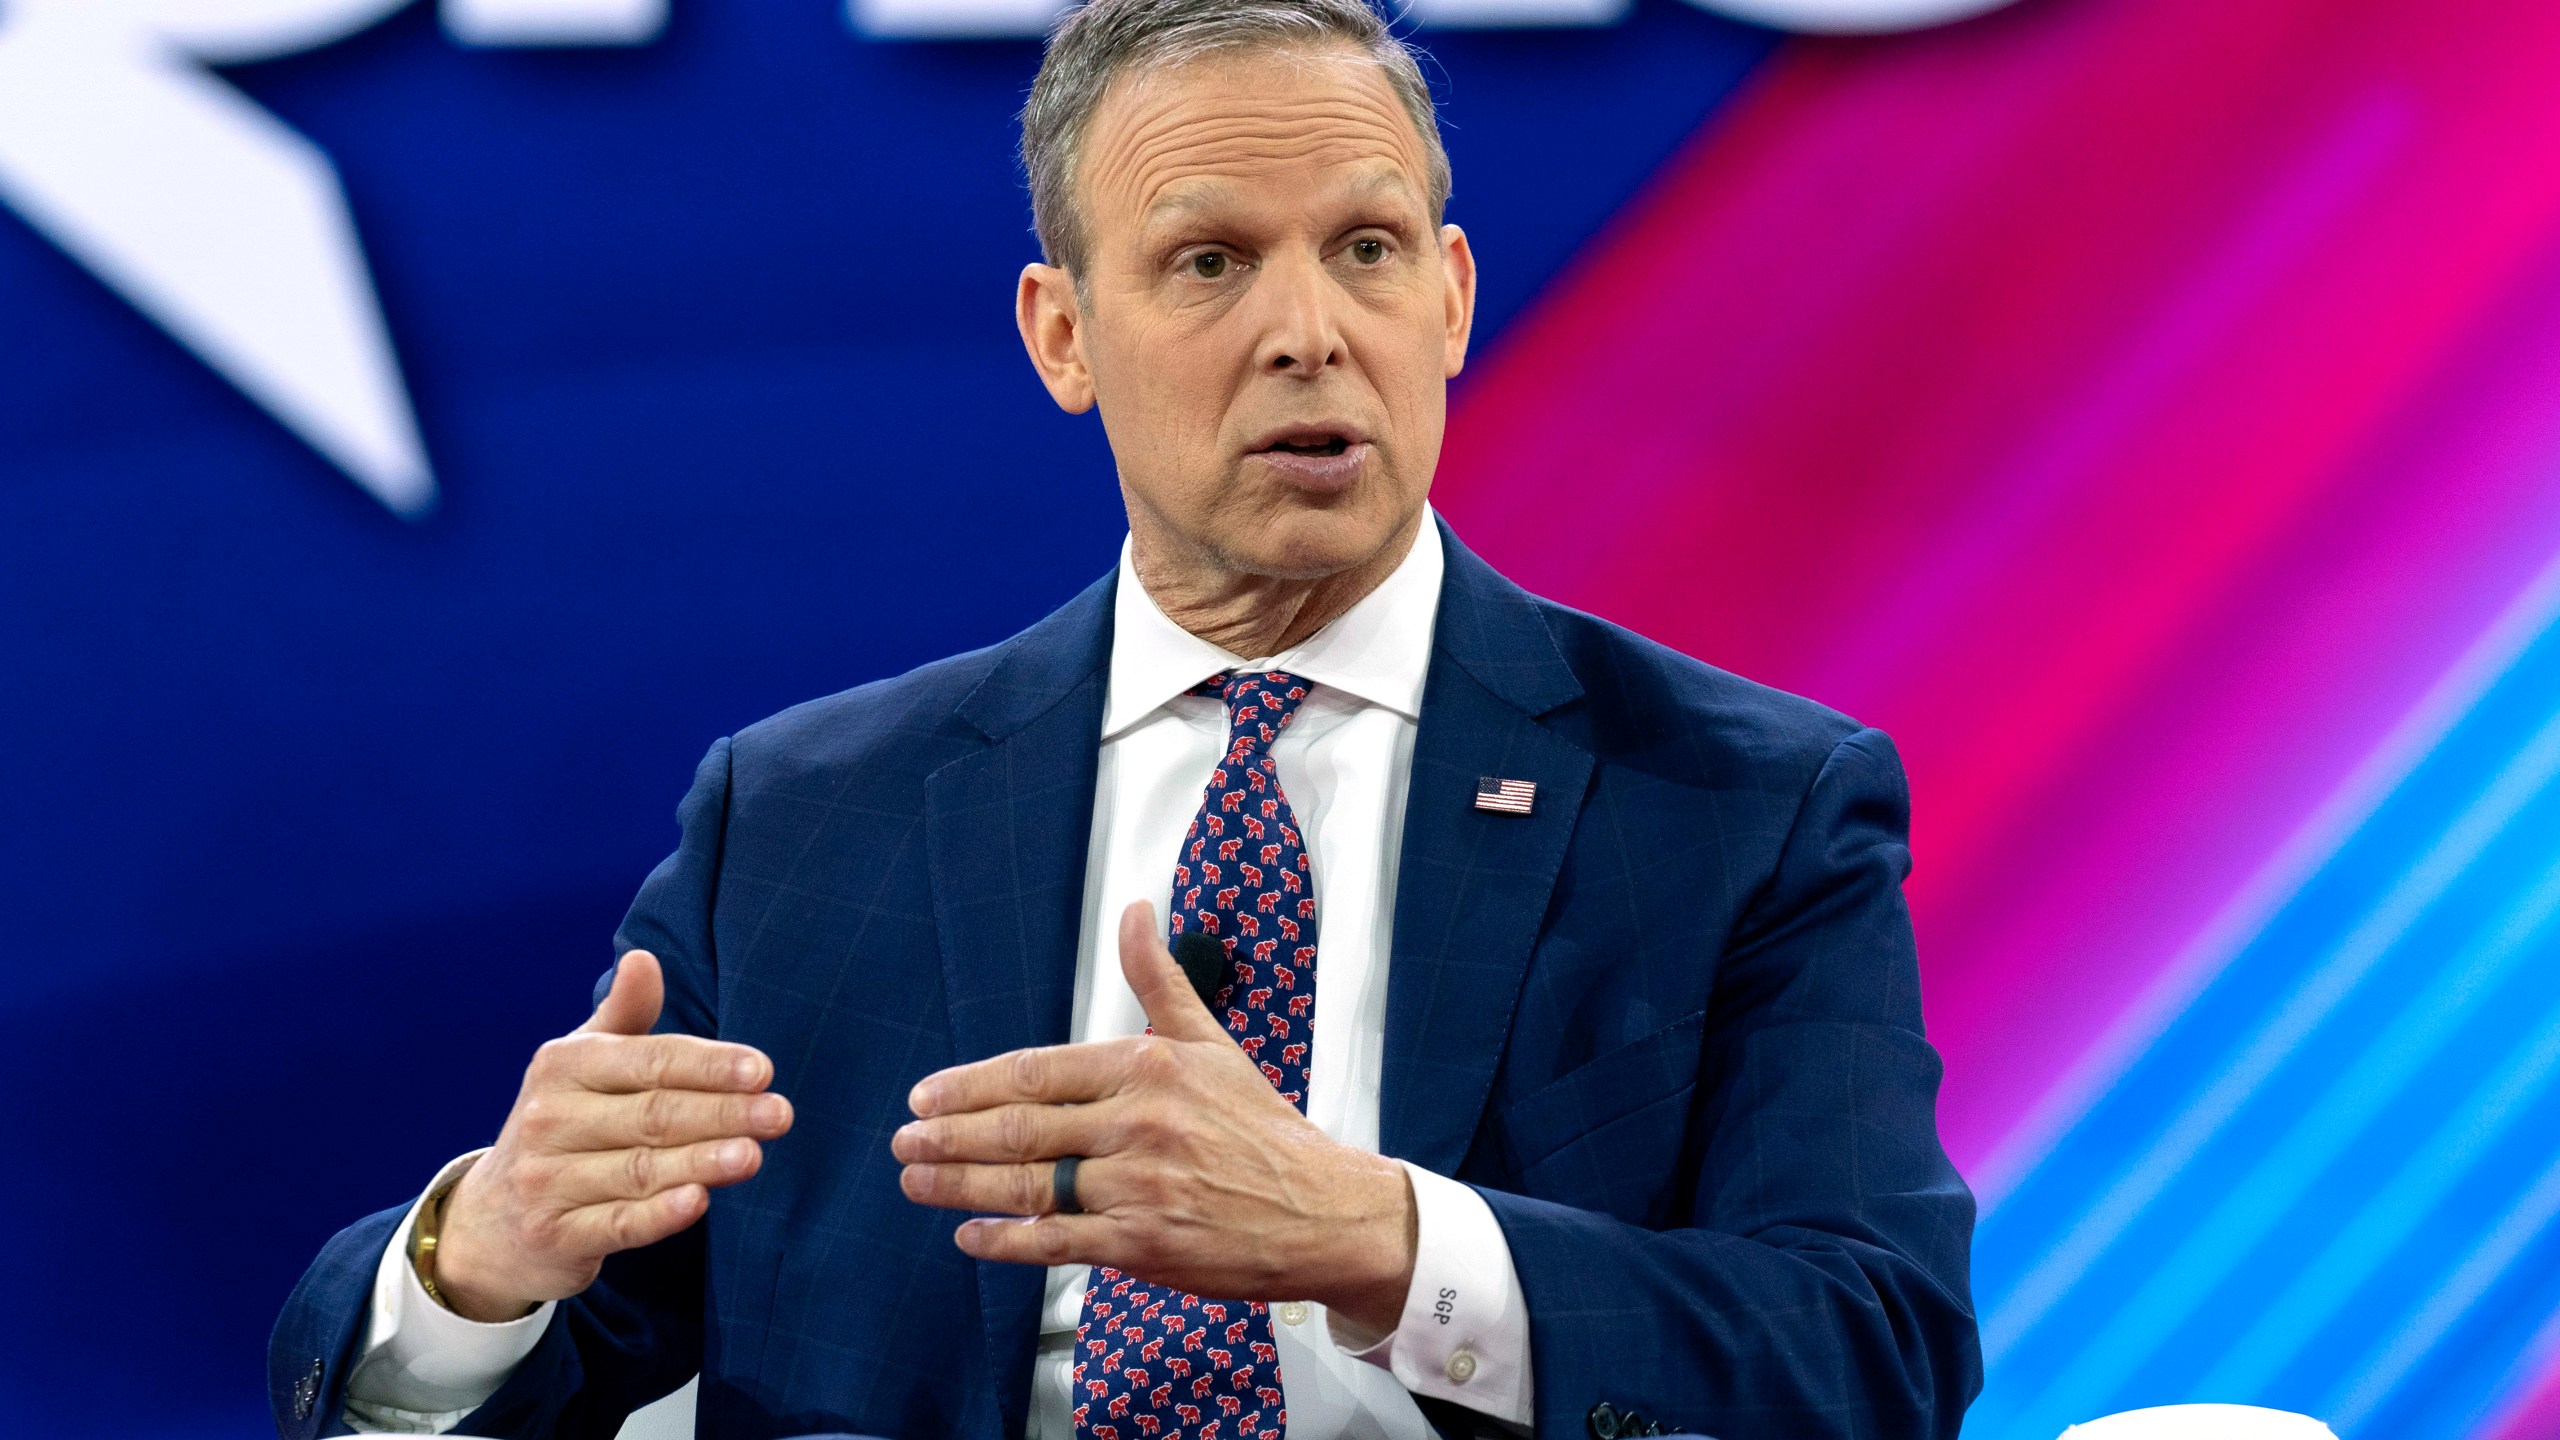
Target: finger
x,y
1047,1240
630,1224
640,1172
1172,1006
574,1123
628,1064
1047,1074
1006,1132
631,1006
1000,1189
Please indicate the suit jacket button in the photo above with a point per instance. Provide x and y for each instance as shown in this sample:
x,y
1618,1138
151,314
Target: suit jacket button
x,y
1602,1421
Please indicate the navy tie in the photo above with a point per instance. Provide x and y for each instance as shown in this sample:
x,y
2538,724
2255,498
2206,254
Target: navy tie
x,y
1152,1361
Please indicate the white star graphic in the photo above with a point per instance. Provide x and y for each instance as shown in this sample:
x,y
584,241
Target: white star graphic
x,y
213,217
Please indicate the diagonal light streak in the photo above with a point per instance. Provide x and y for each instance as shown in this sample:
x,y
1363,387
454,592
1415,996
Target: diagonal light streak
x,y
2473,1127
2526,1387
2261,1198
2408,900
2272,886
2524,1221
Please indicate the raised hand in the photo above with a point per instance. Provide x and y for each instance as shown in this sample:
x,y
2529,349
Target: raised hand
x,y
1195,1173
614,1142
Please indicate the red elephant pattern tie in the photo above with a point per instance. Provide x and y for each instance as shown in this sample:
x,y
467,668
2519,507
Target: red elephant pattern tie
x,y
1152,1361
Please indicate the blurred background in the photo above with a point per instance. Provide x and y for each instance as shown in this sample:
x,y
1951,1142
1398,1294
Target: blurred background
x,y
418,443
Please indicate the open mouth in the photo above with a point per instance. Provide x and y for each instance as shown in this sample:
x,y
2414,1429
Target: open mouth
x,y
1314,442
1328,445
1318,459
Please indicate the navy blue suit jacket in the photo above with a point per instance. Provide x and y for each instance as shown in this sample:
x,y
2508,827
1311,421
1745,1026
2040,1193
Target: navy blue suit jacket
x,y
1668,1024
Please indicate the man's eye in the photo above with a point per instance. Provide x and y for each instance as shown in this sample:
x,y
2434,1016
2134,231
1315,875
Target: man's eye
x,y
1208,264
1368,252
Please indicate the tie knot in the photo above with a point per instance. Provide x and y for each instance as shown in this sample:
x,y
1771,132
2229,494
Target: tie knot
x,y
1259,697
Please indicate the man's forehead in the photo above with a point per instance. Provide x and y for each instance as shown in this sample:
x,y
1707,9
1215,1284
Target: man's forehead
x,y
1192,136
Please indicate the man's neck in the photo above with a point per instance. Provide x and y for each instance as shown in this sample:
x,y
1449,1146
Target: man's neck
x,y
1258,615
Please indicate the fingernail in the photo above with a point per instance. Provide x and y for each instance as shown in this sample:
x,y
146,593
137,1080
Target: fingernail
x,y
921,1099
745,1068
734,1154
767,1110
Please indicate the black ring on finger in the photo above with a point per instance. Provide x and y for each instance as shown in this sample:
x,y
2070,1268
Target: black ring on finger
x,y
1062,1184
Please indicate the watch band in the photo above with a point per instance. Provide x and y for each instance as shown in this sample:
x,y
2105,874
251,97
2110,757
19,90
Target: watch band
x,y
424,1230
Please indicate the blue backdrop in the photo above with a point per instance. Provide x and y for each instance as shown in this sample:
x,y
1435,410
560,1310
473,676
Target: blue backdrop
x,y
319,820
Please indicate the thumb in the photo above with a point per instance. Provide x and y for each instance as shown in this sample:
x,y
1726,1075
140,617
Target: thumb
x,y
1172,1006
631,1006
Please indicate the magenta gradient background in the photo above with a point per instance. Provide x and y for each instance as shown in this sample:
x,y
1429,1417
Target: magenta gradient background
x,y
2134,406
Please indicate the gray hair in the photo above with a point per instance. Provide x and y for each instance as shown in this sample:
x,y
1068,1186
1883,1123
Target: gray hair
x,y
1094,45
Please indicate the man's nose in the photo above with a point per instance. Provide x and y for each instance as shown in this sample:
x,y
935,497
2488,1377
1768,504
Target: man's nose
x,y
1302,330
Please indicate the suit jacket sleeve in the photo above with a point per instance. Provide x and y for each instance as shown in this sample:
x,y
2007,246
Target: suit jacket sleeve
x,y
1819,1284
634,1335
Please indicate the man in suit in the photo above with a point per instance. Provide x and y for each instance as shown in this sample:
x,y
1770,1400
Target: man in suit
x,y
1549,1056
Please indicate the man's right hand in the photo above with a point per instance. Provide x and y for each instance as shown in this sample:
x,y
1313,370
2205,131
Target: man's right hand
x,y
613,1143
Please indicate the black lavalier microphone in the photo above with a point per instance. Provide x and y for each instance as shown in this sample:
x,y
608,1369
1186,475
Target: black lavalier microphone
x,y
1204,963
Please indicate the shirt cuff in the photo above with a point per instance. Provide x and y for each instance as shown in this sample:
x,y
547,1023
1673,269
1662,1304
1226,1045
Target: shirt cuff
x,y
1464,1335
423,1367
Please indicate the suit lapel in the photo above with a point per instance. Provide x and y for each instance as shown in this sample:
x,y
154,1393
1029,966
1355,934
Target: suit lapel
x,y
1472,887
1007,830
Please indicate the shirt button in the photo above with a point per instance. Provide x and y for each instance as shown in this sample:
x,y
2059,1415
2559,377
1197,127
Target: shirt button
x,y
1462,1367
1293,1312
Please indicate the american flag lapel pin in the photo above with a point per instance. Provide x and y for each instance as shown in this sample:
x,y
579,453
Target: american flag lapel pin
x,y
1506,797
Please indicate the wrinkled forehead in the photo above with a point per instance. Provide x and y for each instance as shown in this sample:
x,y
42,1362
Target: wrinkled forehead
x,y
1246,127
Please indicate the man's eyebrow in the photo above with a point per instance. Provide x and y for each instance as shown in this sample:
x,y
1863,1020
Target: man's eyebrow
x,y
1187,199
1379,179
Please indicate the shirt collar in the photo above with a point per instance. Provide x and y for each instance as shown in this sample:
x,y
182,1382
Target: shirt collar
x,y
1378,651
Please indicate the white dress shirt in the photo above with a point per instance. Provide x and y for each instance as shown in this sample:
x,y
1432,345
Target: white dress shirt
x,y
1344,764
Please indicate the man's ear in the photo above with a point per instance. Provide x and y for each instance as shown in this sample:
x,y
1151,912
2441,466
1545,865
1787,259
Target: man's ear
x,y
1458,278
1052,325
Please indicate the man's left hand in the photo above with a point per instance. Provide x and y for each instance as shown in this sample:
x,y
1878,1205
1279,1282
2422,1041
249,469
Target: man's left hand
x,y
1195,1174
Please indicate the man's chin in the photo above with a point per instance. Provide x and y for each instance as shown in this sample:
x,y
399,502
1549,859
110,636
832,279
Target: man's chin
x,y
1310,538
